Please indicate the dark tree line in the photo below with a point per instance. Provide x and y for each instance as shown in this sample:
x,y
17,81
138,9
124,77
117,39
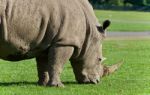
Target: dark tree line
x,y
135,2
121,2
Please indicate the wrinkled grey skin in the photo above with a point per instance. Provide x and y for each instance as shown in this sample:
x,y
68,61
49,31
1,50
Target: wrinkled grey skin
x,y
53,31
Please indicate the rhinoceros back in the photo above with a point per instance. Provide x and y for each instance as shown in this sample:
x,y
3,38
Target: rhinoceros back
x,y
32,26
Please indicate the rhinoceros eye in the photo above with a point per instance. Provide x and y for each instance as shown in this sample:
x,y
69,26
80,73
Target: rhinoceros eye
x,y
99,59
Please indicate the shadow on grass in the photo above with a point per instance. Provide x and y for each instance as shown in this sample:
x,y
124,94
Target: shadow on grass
x,y
25,83
69,82
17,83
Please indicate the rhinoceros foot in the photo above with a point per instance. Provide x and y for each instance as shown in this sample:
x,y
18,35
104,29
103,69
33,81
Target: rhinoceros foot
x,y
55,84
42,83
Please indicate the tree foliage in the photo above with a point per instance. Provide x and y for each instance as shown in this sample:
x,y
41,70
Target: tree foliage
x,y
122,2
135,2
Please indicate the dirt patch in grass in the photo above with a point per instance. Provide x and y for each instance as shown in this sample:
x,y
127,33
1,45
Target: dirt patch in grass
x,y
128,35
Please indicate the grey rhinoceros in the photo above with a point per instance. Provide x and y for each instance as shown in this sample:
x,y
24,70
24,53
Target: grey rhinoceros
x,y
54,31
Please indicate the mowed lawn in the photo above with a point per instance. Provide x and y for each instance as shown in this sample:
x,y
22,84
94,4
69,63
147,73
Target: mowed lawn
x,y
133,78
125,20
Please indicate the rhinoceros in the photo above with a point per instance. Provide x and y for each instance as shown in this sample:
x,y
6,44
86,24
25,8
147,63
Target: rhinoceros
x,y
54,31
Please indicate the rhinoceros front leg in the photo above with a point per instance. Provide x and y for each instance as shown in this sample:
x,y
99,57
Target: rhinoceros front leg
x,y
42,67
58,55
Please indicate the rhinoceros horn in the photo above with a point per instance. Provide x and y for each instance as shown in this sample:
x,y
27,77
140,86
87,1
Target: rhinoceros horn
x,y
110,69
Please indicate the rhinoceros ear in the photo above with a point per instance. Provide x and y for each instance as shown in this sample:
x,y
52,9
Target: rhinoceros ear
x,y
100,29
106,23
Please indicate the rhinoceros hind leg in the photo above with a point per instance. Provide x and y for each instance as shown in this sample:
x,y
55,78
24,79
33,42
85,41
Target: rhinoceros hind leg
x,y
42,67
58,55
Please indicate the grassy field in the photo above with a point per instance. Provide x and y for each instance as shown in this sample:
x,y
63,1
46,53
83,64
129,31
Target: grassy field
x,y
133,78
126,20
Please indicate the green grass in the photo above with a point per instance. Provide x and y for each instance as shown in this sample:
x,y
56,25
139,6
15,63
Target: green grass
x,y
133,78
125,20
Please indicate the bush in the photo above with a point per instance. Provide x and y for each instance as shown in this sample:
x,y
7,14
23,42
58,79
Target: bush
x,y
116,2
97,1
121,2
135,2
148,2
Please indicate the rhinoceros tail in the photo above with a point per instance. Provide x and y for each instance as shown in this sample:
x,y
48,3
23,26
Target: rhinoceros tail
x,y
110,69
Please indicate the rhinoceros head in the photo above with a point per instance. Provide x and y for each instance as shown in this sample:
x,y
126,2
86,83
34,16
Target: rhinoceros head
x,y
89,68
105,70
